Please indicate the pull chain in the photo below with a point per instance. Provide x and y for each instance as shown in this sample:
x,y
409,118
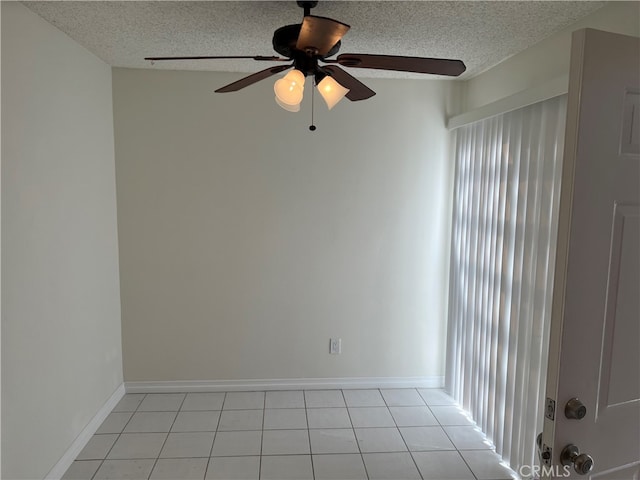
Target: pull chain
x,y
312,127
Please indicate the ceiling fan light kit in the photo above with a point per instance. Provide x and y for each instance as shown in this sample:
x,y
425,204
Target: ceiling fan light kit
x,y
289,108
290,89
308,45
332,92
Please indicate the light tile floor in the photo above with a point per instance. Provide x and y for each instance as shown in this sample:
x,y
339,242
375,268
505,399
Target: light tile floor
x,y
387,434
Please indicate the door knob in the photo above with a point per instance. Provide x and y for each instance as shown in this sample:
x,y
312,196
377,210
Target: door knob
x,y
582,463
575,409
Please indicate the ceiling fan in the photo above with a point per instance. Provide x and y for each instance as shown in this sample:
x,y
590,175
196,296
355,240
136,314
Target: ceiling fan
x,y
312,42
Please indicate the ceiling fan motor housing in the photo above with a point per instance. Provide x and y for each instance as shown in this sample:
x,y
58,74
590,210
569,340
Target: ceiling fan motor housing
x,y
284,42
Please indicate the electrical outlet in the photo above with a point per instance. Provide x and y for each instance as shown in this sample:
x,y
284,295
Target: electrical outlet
x,y
335,346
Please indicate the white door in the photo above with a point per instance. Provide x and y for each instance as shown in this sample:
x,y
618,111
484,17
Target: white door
x,y
595,327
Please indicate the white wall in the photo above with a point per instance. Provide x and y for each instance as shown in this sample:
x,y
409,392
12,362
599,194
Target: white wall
x,y
61,346
547,59
246,241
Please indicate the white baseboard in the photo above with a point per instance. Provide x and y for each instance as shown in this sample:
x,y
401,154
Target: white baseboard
x,y
85,435
283,384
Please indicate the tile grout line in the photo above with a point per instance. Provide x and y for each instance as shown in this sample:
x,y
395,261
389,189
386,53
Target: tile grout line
x,y
402,436
167,437
445,432
215,435
264,407
466,463
353,429
119,435
306,416
454,445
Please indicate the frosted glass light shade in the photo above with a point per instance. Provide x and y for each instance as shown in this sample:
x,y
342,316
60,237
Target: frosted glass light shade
x,y
289,108
331,91
289,89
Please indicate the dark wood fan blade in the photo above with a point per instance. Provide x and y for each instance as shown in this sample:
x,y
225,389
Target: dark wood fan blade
x,y
251,79
320,33
256,57
435,66
357,89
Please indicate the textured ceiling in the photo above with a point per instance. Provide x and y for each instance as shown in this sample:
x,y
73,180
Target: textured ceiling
x,y
479,33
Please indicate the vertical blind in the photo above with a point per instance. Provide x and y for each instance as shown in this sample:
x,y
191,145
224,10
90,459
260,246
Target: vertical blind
x,y
504,230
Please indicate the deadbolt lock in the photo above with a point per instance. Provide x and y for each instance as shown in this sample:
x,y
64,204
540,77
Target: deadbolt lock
x,y
575,409
582,463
